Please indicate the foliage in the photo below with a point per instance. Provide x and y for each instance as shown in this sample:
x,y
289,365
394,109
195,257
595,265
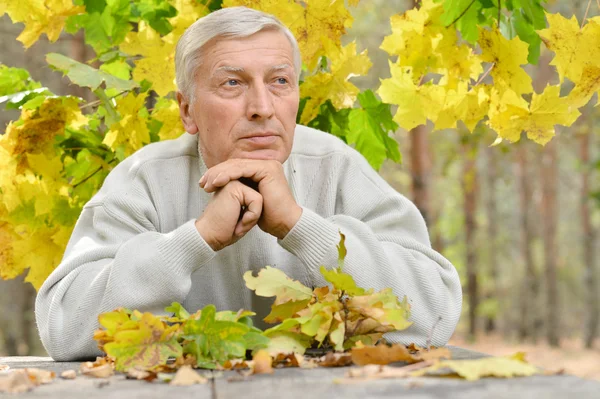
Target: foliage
x,y
337,319
56,156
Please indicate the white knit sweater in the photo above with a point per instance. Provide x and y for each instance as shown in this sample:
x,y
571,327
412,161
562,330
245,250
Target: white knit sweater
x,y
135,245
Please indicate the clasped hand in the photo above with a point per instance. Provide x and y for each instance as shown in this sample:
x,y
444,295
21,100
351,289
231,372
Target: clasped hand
x,y
271,206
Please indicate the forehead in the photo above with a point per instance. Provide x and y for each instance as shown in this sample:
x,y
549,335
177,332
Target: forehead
x,y
265,48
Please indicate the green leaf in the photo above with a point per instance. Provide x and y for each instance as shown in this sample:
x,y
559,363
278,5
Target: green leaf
x,y
285,310
368,130
178,311
342,281
156,13
467,24
274,282
287,342
15,80
341,247
16,100
86,76
453,9
255,340
526,32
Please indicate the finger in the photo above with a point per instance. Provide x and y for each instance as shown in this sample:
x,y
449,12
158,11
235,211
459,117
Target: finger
x,y
253,203
222,174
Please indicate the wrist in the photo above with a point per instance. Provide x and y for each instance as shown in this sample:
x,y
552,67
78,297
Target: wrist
x,y
289,223
206,235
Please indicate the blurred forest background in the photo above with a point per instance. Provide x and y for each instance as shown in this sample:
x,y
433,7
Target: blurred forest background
x,y
520,222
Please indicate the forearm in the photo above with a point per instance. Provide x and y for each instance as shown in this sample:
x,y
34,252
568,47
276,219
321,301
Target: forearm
x,y
146,272
381,259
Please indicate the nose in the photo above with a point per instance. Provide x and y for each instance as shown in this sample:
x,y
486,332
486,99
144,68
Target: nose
x,y
260,102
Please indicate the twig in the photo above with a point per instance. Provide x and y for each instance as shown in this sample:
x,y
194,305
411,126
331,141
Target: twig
x,y
462,14
96,102
586,13
485,74
499,12
92,174
428,343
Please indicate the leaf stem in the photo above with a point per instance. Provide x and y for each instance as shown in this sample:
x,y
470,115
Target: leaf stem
x,y
499,12
586,13
461,14
485,74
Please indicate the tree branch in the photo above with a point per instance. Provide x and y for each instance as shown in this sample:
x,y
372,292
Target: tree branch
x,y
461,14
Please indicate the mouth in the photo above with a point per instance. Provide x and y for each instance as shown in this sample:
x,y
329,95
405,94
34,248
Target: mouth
x,y
265,138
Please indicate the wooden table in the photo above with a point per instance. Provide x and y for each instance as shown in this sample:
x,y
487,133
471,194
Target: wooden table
x,y
307,384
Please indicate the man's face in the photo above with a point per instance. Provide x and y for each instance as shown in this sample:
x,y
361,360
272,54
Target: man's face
x,y
246,99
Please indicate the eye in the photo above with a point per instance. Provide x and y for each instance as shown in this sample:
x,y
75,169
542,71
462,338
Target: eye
x,y
282,81
231,82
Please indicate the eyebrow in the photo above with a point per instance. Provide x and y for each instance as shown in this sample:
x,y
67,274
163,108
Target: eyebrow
x,y
239,69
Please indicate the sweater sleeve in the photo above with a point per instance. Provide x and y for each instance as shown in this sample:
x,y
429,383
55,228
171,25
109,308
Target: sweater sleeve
x,y
115,258
388,246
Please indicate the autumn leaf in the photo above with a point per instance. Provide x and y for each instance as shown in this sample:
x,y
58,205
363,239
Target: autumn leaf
x,y
262,362
383,307
186,376
416,103
40,16
148,346
342,281
334,85
167,112
157,64
510,114
507,57
472,370
131,131
384,354
273,282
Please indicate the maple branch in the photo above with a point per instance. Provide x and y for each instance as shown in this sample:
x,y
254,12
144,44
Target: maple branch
x,y
96,102
461,14
428,343
586,13
485,74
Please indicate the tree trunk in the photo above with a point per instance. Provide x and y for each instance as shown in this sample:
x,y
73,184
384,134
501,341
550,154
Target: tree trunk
x,y
420,167
469,185
550,216
589,237
492,233
530,284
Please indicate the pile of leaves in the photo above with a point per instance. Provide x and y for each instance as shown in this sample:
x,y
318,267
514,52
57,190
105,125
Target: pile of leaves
x,y
331,318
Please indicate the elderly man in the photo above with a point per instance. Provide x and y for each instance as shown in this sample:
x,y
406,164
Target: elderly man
x,y
182,220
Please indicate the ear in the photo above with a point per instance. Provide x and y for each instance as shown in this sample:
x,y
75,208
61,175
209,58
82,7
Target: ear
x,y
185,115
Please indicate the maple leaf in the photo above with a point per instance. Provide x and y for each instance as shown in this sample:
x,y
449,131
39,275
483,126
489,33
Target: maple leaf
x,y
188,12
157,65
575,48
166,111
40,16
510,114
148,346
471,370
334,85
131,130
507,56
588,83
320,18
273,282
416,103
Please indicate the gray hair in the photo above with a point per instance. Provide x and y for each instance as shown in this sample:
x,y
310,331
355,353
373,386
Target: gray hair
x,y
234,22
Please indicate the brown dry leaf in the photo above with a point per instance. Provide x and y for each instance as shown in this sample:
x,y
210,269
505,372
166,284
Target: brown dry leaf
x,y
433,354
290,359
262,363
40,376
91,369
16,382
381,354
187,376
138,373
68,374
4,367
335,359
236,364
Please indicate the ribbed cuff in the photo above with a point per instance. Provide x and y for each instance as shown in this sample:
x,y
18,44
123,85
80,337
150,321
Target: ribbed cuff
x,y
184,249
312,239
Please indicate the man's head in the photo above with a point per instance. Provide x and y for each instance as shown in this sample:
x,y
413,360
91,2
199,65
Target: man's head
x,y
237,73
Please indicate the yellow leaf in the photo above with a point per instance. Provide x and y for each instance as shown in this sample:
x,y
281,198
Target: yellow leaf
x,y
471,370
131,131
157,65
40,16
585,87
274,282
507,56
188,11
574,48
167,112
510,114
320,18
334,85
416,103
